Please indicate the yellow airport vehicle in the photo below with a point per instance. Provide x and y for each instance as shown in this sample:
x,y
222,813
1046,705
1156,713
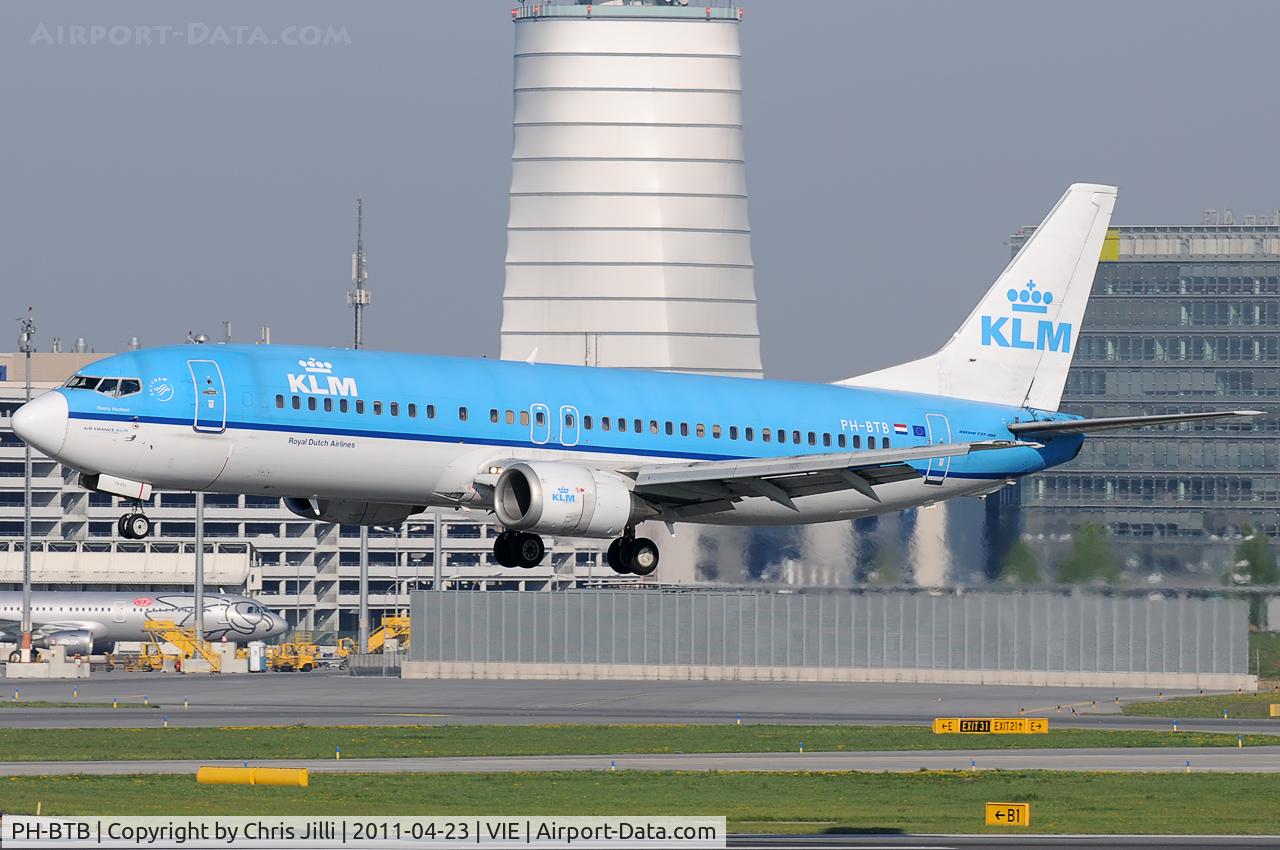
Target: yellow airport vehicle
x,y
175,644
1008,814
299,654
392,628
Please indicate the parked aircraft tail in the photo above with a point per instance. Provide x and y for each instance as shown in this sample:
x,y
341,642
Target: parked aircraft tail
x,y
1015,348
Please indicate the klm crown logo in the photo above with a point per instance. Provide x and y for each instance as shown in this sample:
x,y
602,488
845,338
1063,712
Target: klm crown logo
x,y
1011,332
319,367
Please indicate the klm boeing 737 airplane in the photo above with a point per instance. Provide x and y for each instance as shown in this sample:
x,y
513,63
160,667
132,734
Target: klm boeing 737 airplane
x,y
372,438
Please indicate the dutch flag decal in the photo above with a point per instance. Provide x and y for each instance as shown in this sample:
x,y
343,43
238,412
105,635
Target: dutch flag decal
x,y
899,428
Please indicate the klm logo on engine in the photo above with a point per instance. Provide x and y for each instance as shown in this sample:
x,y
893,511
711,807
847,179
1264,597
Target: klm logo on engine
x,y
564,494
1018,332
317,378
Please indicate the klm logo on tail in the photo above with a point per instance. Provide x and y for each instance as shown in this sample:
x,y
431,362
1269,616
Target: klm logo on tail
x,y
1033,334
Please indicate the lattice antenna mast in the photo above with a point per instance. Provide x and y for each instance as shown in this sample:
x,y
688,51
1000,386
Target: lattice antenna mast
x,y
360,297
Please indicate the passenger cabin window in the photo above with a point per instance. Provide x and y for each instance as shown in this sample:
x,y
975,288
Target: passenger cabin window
x,y
842,440
733,432
462,414
750,434
639,425
343,405
857,441
395,408
524,417
540,417
826,440
586,422
328,405
684,429
311,402
377,408
568,420
795,437
671,428
297,403
510,417
884,444
871,442
360,405
280,402
700,430
622,423
431,411
782,436
413,410
715,432
493,415
653,426
813,439
765,435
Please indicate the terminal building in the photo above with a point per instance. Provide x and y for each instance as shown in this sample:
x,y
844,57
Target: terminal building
x,y
1181,318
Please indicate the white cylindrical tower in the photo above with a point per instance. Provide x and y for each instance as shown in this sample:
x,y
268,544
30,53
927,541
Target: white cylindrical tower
x,y
628,242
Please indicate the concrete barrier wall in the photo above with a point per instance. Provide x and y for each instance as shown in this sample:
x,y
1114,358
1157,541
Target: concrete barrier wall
x,y
892,636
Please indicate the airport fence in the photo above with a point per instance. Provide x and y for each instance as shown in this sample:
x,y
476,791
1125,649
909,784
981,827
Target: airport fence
x,y
842,635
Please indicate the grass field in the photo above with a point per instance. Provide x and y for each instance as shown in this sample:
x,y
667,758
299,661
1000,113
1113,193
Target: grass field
x,y
44,704
778,802
263,742
1236,705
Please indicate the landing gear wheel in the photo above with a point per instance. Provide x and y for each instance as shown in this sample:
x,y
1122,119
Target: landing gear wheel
x,y
641,556
136,526
15,657
503,549
614,558
528,551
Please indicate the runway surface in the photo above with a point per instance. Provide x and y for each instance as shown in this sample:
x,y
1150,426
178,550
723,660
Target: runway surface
x,y
1153,760
332,698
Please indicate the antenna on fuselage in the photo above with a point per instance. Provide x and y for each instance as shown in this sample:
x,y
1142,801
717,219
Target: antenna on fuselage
x,y
360,297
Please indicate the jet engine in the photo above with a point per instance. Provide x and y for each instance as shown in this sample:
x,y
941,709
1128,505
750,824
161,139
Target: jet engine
x,y
76,641
567,499
351,513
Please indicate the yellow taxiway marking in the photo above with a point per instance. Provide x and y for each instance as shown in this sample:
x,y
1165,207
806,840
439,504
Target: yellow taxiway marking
x,y
598,701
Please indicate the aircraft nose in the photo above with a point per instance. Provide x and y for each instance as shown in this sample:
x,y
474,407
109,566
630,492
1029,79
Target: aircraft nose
x,y
277,625
42,423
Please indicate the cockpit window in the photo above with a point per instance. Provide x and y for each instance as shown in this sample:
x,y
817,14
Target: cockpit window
x,y
82,382
114,387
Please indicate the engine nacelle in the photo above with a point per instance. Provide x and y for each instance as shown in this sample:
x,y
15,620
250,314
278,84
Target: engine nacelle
x,y
75,641
567,499
351,513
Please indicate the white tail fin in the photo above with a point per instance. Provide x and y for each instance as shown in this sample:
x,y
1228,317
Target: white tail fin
x,y
1015,348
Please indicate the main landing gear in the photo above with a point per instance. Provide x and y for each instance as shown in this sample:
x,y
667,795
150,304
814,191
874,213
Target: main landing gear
x,y
631,555
519,549
134,526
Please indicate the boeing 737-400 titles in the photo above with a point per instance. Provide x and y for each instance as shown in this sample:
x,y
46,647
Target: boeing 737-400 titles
x,y
371,438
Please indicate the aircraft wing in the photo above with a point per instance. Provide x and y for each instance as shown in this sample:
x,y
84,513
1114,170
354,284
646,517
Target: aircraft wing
x,y
688,489
1086,426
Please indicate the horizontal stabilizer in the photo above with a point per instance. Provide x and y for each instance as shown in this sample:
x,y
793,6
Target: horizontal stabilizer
x,y
1087,426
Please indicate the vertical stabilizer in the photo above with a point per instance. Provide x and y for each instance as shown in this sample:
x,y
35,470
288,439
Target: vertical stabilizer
x,y
1016,346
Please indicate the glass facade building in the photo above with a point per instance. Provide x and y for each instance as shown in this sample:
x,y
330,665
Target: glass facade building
x,y
1180,319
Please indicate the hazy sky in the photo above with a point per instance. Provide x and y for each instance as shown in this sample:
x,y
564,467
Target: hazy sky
x,y
892,149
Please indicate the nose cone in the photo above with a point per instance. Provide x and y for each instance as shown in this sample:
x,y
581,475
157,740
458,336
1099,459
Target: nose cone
x,y
275,624
42,423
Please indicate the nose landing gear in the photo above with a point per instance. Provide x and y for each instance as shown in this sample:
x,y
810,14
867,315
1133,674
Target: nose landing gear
x,y
134,526
631,555
519,549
